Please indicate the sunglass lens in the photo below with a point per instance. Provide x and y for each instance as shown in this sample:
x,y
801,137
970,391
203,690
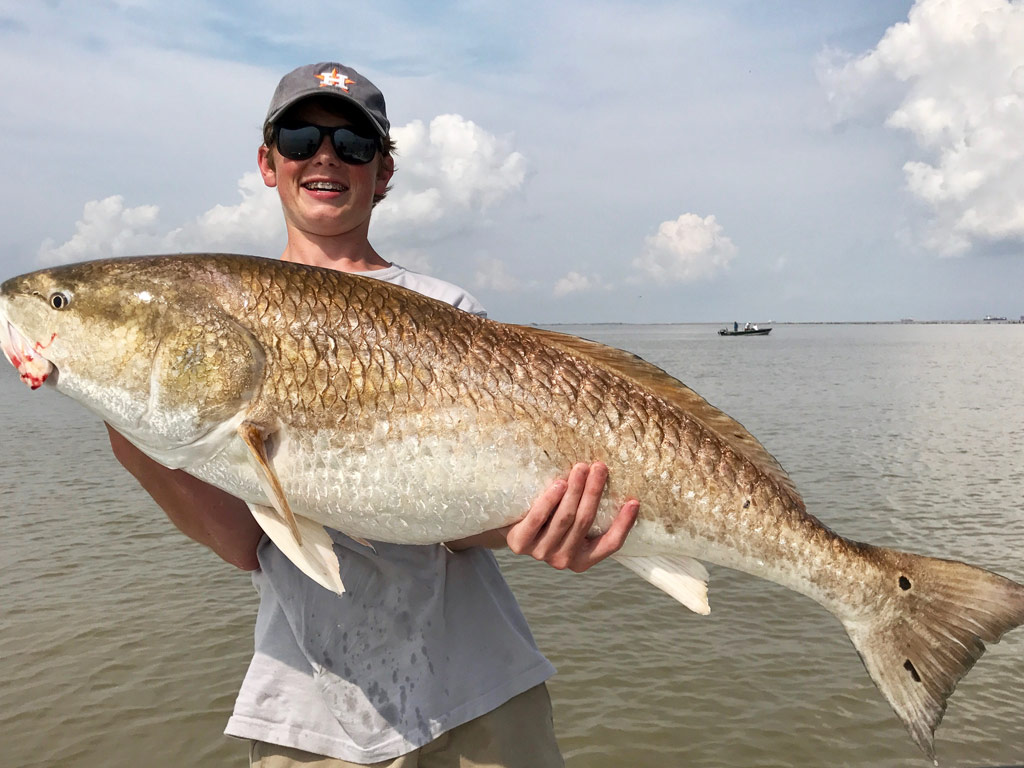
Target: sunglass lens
x,y
353,148
298,142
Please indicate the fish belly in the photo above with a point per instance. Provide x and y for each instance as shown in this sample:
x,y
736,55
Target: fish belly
x,y
404,489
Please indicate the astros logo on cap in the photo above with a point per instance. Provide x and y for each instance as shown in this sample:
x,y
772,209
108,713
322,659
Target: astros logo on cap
x,y
333,78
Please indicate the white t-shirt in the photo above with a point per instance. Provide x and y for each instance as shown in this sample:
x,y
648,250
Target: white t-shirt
x,y
422,641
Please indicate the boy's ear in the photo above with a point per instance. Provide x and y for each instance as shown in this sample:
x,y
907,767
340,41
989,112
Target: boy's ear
x,y
265,160
387,166
385,170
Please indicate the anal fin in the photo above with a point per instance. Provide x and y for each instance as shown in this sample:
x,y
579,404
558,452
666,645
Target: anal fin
x,y
683,578
313,554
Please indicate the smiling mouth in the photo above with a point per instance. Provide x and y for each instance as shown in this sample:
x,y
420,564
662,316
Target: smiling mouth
x,y
325,186
33,368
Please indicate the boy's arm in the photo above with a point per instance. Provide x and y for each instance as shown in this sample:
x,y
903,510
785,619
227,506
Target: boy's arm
x,y
202,512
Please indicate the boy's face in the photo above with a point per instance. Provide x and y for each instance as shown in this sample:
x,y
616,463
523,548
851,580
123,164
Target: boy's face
x,y
324,196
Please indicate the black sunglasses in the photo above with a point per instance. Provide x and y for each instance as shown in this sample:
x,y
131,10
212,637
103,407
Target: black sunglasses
x,y
300,141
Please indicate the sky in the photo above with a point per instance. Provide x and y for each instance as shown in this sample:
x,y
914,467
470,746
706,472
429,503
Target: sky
x,y
636,161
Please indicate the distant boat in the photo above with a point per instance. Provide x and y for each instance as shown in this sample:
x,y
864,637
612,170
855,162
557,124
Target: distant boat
x,y
745,332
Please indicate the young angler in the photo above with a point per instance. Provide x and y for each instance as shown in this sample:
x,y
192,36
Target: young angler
x,y
426,660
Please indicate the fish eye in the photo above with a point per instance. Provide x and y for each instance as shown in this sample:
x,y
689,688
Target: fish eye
x,y
59,300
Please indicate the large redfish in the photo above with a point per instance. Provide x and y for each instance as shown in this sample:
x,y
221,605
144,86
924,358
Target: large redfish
x,y
322,398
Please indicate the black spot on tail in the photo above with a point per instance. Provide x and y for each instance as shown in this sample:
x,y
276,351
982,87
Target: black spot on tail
x,y
909,666
904,583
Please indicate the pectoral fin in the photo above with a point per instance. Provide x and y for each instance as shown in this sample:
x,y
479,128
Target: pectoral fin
x,y
314,555
683,578
255,438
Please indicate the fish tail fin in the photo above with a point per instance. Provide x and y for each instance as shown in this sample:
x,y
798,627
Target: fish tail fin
x,y
927,630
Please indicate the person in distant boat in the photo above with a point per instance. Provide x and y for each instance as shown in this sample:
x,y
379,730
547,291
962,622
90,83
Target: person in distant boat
x,y
427,659
735,327
746,327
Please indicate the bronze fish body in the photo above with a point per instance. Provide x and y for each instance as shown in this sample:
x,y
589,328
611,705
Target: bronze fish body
x,y
328,399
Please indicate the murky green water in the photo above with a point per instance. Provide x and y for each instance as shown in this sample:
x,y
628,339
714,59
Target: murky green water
x,y
122,644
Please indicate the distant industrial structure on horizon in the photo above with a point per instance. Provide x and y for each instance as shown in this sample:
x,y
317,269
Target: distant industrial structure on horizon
x,y
991,319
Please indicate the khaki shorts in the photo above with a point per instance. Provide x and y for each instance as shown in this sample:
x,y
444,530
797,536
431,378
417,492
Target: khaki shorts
x,y
518,734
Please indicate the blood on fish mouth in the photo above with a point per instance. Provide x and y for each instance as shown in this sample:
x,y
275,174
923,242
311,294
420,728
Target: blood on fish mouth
x,y
39,346
33,368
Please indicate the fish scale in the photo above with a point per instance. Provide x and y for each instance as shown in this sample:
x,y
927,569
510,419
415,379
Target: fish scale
x,y
328,399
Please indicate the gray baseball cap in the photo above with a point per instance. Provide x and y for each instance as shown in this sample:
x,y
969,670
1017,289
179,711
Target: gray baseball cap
x,y
330,79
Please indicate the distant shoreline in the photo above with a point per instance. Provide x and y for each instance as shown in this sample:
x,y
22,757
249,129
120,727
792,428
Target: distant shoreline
x,y
773,323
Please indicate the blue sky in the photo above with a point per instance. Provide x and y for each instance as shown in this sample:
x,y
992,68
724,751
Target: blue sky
x,y
569,162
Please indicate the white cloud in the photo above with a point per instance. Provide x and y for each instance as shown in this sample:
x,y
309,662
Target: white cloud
x,y
449,173
952,77
106,228
574,282
493,274
109,228
253,225
685,250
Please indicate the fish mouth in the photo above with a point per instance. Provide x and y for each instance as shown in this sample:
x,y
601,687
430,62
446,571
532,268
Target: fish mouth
x,y
24,355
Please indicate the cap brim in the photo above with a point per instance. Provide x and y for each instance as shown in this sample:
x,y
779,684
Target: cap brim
x,y
274,116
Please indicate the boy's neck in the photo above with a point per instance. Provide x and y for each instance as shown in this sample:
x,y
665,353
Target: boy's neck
x,y
356,255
